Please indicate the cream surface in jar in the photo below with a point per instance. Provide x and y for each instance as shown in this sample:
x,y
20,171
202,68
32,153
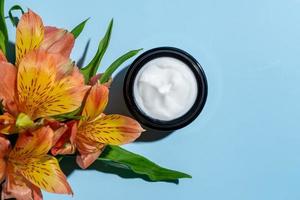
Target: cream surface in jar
x,y
165,88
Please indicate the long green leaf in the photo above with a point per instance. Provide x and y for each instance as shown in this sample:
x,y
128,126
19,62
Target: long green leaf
x,y
91,69
119,157
78,29
69,116
3,29
2,42
15,20
110,70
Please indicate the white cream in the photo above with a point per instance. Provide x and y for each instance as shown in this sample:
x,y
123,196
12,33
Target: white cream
x,y
165,88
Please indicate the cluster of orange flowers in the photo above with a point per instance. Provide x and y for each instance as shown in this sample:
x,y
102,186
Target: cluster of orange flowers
x,y
43,83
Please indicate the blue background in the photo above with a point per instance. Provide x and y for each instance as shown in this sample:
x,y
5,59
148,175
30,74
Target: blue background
x,y
245,145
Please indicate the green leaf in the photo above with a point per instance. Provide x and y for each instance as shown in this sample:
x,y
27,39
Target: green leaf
x,y
78,29
118,157
110,70
3,29
66,117
91,69
69,116
15,20
2,42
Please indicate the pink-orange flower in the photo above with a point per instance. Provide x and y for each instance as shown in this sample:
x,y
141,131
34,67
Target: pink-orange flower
x,y
95,129
44,82
26,168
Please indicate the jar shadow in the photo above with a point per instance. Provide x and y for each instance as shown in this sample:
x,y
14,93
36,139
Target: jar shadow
x,y
117,105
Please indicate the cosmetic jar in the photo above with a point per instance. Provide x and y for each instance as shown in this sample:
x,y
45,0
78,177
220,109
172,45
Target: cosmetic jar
x,y
165,88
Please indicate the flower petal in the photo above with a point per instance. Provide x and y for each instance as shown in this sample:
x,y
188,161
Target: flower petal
x,y
33,144
15,186
89,151
7,123
30,33
96,102
66,149
45,173
58,128
111,129
7,83
4,146
48,85
85,160
29,158
4,150
65,144
2,169
2,56
58,41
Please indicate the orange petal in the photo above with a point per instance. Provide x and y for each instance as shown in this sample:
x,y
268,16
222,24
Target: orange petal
x,y
4,150
2,169
30,33
36,193
66,149
15,186
89,151
85,160
111,129
4,146
48,85
29,158
45,173
35,143
2,56
79,81
7,123
65,143
60,133
8,74
58,41
96,102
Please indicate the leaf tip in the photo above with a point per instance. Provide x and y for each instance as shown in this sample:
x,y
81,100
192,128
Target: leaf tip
x,y
111,23
87,19
187,176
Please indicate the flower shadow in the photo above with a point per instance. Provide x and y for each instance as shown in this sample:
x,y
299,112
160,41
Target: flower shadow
x,y
11,52
81,60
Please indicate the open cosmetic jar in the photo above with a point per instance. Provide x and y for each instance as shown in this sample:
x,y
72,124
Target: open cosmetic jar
x,y
165,88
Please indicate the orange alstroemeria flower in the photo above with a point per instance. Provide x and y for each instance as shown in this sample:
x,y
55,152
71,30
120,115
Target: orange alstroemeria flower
x,y
95,129
44,82
27,167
